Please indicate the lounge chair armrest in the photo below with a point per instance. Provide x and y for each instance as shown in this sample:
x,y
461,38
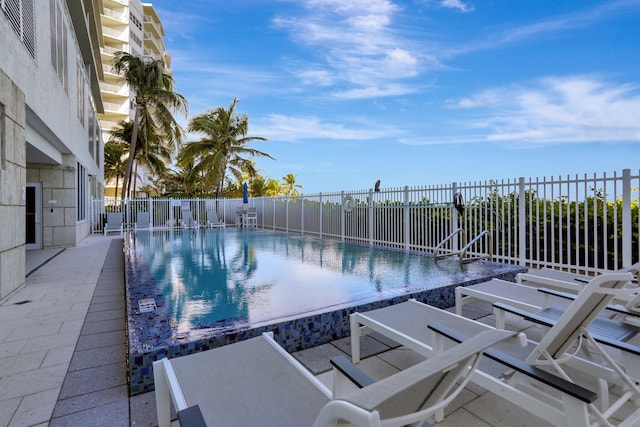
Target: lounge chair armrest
x,y
623,310
191,417
616,308
558,294
544,377
524,314
620,345
351,371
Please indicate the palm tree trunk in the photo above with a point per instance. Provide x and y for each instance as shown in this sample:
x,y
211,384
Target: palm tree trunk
x,y
132,155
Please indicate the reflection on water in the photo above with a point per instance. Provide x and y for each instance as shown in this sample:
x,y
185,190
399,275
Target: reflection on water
x,y
212,278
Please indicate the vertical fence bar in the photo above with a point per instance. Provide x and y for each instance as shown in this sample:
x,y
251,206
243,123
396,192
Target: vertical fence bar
x,y
320,222
626,217
342,216
407,222
522,223
370,215
301,214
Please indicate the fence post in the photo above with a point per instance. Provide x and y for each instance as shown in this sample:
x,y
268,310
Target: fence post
x,y
171,223
150,212
407,225
455,216
301,214
342,216
626,218
370,211
522,226
286,214
320,219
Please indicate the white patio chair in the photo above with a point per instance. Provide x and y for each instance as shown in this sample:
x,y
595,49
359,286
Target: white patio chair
x,y
114,223
569,404
213,221
256,382
142,221
251,217
188,221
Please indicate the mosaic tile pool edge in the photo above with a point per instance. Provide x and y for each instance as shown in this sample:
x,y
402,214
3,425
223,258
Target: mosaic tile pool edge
x,y
293,335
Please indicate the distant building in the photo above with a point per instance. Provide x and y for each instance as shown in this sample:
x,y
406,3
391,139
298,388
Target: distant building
x,y
51,146
133,27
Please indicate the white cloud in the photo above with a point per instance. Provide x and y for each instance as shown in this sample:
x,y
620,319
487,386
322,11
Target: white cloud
x,y
296,128
374,92
354,42
456,4
550,26
557,110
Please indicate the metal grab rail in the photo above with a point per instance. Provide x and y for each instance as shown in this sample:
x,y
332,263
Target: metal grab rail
x,y
446,239
462,252
472,242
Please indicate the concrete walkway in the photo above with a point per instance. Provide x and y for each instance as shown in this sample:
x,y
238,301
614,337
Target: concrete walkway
x,y
39,328
63,353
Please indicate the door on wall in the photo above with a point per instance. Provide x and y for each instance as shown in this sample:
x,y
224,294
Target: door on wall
x,y
33,199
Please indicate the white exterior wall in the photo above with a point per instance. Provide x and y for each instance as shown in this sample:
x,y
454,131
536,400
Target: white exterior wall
x,y
46,140
12,180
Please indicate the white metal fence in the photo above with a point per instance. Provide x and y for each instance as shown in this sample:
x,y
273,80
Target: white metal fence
x,y
584,223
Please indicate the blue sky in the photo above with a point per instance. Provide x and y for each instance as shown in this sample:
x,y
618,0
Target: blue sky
x,y
417,92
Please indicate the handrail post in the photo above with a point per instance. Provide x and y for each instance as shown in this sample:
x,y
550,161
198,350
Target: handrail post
x,y
522,226
626,218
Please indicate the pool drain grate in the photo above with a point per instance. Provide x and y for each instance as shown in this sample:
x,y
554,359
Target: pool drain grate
x,y
146,305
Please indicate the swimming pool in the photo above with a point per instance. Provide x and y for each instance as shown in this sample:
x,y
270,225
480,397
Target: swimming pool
x,y
197,289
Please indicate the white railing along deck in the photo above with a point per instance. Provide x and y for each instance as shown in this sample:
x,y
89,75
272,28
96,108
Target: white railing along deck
x,y
586,224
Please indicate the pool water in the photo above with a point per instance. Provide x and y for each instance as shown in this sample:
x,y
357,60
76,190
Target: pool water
x,y
191,290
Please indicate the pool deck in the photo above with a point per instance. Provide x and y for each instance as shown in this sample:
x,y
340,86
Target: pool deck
x,y
62,350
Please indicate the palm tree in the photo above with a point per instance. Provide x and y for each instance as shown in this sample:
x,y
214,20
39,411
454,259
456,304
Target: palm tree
x,y
273,187
115,166
184,181
290,186
154,102
223,148
152,151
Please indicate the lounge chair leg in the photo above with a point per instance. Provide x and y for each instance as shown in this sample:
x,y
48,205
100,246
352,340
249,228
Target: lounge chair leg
x,y
355,339
163,399
459,303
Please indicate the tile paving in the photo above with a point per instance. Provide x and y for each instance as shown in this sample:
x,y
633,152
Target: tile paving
x,y
63,353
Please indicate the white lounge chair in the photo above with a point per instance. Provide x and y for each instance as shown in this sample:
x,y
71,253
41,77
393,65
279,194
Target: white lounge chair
x,y
256,382
213,221
525,298
114,223
188,221
564,280
142,221
406,324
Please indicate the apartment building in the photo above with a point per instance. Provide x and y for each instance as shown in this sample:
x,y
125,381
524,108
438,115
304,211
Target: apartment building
x,y
51,148
134,27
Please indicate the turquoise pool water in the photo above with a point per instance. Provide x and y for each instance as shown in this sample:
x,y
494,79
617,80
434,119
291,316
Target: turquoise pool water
x,y
213,278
